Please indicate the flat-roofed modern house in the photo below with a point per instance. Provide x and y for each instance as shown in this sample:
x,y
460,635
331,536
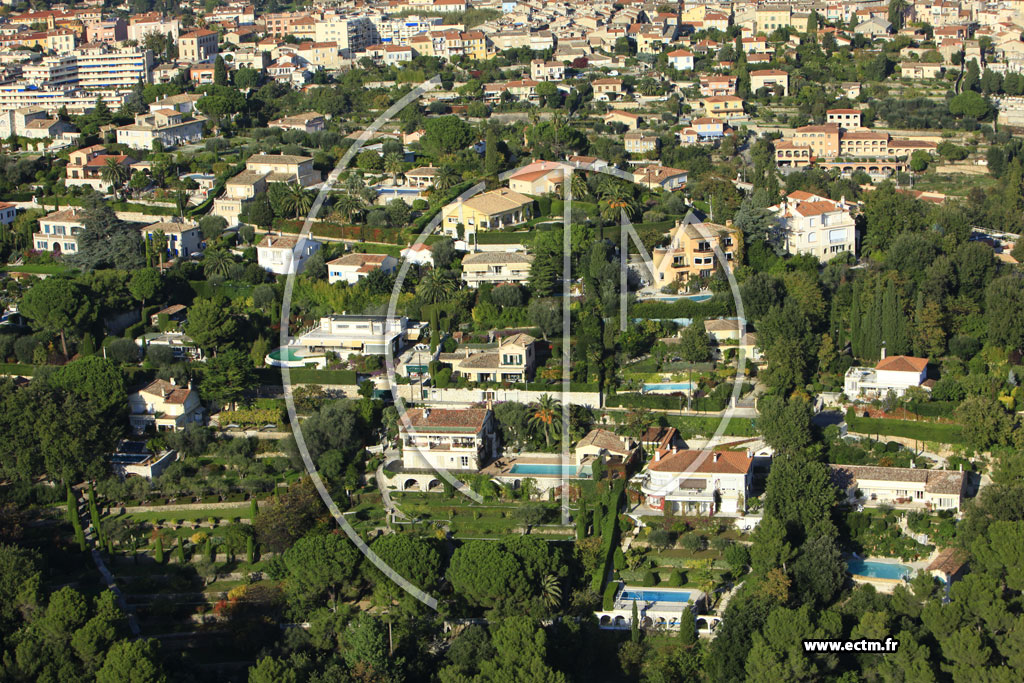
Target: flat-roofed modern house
x,y
363,334
448,439
690,482
496,267
904,486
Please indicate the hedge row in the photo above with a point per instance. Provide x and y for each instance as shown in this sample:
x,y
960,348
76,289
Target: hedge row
x,y
922,431
609,535
662,402
272,376
342,232
721,305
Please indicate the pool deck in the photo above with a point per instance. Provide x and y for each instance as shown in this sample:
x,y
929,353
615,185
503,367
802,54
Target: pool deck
x,y
884,585
657,606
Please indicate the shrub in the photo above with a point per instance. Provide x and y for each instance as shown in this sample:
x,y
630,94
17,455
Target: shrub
x,y
650,578
676,579
619,559
608,597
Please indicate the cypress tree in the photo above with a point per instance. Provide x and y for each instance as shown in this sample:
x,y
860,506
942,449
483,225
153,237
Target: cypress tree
x,y
94,514
894,322
250,549
253,509
158,553
581,520
856,334
208,549
72,506
634,625
79,534
872,326
687,628
181,551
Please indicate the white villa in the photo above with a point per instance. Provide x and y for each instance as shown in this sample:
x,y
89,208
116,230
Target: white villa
x,y
352,268
915,487
283,254
164,405
720,482
811,224
895,373
363,334
448,439
496,267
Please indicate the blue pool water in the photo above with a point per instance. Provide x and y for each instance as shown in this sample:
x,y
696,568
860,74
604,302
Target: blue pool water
x,y
399,190
646,595
672,386
877,570
698,298
564,470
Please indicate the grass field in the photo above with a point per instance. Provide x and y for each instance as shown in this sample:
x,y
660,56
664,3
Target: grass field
x,y
922,431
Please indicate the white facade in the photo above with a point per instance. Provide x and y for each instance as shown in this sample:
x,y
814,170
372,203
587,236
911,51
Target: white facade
x,y
284,254
363,334
896,374
441,438
810,224
352,268
689,481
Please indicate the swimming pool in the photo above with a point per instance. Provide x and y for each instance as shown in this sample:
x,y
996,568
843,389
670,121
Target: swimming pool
x,y
878,570
411,191
697,298
525,468
650,595
670,386
284,353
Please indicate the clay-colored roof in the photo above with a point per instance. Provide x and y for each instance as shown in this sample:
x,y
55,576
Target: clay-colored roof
x,y
902,364
470,420
716,462
935,481
948,561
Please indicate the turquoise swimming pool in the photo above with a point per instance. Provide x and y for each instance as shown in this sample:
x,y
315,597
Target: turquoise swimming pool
x,y
878,570
669,386
285,353
649,595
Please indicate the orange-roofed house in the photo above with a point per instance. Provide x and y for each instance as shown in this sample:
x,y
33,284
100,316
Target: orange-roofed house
x,y
810,224
537,178
698,483
164,405
893,373
446,438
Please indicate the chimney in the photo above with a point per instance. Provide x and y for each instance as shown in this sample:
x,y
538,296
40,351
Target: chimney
x,y
172,381
728,223
426,412
715,456
657,455
883,351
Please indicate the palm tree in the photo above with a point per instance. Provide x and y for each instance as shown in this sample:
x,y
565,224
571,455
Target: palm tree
x,y
551,590
436,287
580,188
216,262
298,199
616,197
445,178
349,206
393,165
547,417
114,173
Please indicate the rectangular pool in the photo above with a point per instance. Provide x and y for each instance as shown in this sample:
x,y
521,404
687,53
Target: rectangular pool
x,y
651,595
878,570
525,468
671,386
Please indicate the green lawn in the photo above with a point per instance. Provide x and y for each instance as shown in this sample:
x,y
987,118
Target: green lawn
x,y
41,269
241,511
923,431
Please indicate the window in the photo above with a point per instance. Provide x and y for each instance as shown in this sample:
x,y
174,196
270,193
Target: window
x,y
464,461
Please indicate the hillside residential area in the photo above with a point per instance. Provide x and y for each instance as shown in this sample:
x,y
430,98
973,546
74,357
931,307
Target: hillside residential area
x,y
511,341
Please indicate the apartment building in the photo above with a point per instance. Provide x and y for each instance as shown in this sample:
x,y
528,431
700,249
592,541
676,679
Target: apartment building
x,y
691,251
197,46
727,107
350,34
440,438
141,25
58,231
496,267
91,67
75,100
848,119
109,31
810,224
717,86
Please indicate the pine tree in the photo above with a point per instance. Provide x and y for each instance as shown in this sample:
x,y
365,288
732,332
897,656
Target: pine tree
x,y
220,71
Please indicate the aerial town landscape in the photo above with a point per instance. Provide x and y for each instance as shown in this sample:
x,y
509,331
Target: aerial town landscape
x,y
512,341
